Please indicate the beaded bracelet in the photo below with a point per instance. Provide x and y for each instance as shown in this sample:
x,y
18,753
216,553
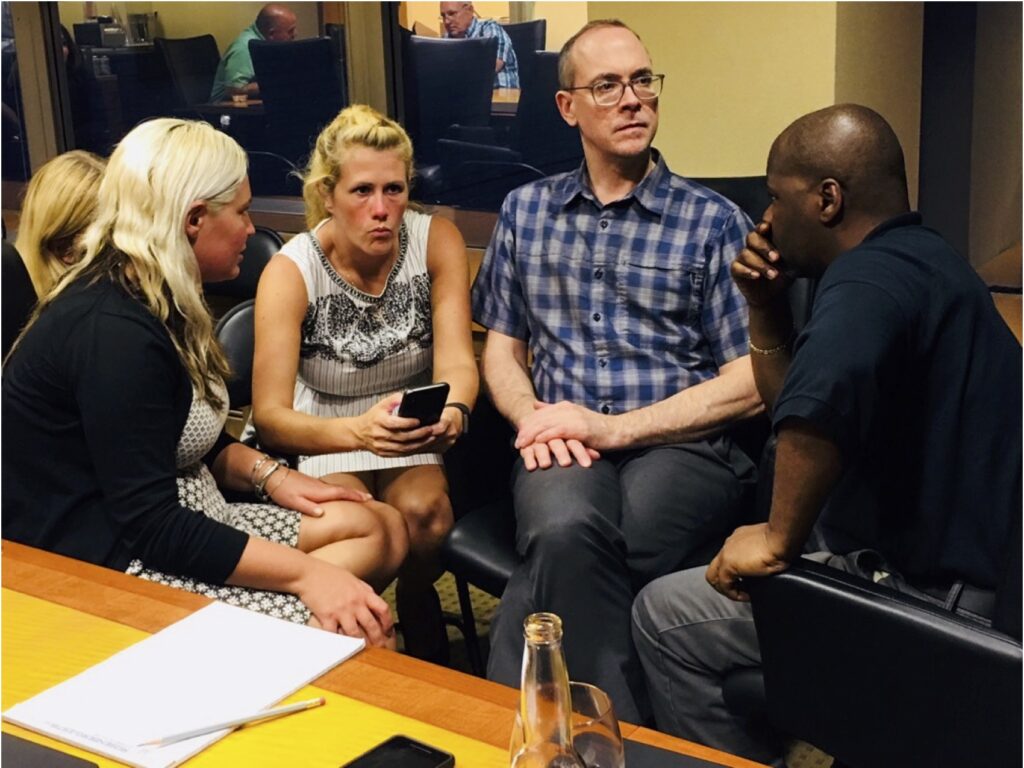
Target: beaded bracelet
x,y
771,350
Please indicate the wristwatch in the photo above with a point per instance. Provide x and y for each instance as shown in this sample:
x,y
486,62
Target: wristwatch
x,y
465,414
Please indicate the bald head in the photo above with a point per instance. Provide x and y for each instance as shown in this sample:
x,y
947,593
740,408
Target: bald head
x,y
276,22
853,145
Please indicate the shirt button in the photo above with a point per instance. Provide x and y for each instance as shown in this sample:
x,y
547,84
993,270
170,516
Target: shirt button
x,y
606,409
604,224
602,362
597,317
598,273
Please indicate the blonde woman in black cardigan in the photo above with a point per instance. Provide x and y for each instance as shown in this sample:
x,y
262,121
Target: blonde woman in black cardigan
x,y
114,402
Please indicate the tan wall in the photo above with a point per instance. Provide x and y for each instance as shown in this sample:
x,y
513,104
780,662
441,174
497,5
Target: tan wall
x,y
737,74
564,19
878,64
995,219
222,20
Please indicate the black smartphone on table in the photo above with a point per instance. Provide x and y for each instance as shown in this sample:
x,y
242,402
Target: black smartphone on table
x,y
403,752
424,403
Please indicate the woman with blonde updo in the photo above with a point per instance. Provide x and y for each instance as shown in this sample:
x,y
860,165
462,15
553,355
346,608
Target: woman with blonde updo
x,y
114,406
59,204
372,300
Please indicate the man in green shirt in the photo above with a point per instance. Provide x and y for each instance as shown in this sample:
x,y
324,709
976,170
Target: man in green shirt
x,y
235,73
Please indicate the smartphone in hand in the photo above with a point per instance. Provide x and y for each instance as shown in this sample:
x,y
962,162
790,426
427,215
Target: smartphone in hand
x,y
424,403
403,752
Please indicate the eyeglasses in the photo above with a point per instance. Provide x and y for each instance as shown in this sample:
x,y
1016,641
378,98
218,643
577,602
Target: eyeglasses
x,y
452,14
608,93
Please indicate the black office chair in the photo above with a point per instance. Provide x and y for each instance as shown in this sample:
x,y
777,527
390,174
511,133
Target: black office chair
x,y
19,297
235,332
527,38
336,32
259,248
301,91
750,193
445,82
480,549
878,679
192,62
478,172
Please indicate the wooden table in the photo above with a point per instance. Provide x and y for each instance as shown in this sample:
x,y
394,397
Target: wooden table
x,y
504,101
455,701
247,108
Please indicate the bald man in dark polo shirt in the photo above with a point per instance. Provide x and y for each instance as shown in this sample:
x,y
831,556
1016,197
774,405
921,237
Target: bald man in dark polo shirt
x,y
897,412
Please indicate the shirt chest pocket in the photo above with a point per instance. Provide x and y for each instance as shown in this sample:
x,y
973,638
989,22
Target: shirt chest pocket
x,y
661,294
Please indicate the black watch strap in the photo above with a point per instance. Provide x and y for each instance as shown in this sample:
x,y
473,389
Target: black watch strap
x,y
465,414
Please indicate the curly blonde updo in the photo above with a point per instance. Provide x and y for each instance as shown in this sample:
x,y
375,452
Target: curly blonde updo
x,y
356,126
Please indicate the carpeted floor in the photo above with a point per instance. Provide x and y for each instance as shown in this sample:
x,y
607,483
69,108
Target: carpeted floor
x,y
800,755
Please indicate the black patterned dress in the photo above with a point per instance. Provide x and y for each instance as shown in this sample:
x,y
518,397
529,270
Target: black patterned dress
x,y
197,490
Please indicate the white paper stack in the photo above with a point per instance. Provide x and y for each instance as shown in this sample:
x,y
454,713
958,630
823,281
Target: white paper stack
x,y
220,663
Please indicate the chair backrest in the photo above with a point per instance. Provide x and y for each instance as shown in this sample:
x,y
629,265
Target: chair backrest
x,y
192,62
527,38
336,32
261,245
19,297
545,140
445,82
301,91
236,335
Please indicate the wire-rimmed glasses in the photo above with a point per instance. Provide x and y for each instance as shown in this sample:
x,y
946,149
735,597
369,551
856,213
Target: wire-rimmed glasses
x,y
608,93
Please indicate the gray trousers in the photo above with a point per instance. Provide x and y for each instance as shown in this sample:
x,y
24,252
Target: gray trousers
x,y
689,638
591,538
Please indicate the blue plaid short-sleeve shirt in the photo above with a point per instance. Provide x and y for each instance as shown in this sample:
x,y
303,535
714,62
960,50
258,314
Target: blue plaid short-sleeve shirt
x,y
622,305
508,77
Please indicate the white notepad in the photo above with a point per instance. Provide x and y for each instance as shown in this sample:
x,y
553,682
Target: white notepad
x,y
219,663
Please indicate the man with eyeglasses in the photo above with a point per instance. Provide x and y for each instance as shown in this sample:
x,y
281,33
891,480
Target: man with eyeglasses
x,y
616,278
460,21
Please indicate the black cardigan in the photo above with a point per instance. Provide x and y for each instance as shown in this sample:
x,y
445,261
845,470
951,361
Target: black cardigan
x,y
94,401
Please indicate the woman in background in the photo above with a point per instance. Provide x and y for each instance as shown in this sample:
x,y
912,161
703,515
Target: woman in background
x,y
373,299
59,204
114,403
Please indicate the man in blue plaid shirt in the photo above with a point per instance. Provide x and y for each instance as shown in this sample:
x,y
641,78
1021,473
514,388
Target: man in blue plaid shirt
x,y
460,21
616,278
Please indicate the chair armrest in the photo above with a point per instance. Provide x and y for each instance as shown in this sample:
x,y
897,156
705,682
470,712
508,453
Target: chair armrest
x,y
879,678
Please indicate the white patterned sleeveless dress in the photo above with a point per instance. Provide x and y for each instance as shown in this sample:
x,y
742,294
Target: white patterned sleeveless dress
x,y
197,490
356,347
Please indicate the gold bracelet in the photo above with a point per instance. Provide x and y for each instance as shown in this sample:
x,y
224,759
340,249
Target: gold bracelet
x,y
270,493
771,350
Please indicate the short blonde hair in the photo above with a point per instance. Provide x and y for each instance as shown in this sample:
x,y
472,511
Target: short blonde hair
x,y
355,126
59,204
158,171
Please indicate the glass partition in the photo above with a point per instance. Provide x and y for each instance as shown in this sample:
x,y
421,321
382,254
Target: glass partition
x,y
484,121
15,162
131,61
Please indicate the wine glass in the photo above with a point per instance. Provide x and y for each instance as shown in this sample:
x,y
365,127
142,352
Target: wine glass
x,y
595,729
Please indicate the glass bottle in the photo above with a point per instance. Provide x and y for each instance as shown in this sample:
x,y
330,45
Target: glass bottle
x,y
545,705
